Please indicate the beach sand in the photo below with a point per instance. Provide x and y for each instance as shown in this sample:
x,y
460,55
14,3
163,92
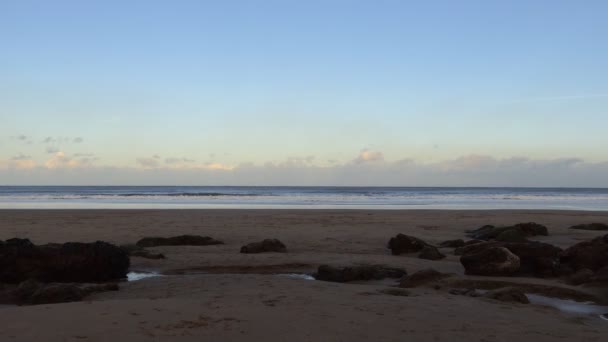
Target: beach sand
x,y
215,293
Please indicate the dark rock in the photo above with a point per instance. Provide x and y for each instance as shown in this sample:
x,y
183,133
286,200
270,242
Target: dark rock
x,y
581,276
591,226
533,229
516,233
472,242
136,251
356,273
465,292
68,262
181,240
422,277
430,253
32,292
493,261
512,235
56,293
147,254
267,245
396,292
591,254
508,294
452,243
536,258
402,244
16,242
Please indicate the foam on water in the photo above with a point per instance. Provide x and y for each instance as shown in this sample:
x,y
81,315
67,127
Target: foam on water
x,y
570,306
134,276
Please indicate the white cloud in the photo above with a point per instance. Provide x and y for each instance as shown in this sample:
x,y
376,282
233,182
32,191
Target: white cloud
x,y
368,156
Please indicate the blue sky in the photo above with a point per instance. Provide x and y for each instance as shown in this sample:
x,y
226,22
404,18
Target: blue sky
x,y
219,85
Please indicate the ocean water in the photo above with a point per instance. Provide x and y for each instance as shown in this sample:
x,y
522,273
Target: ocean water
x,y
155,197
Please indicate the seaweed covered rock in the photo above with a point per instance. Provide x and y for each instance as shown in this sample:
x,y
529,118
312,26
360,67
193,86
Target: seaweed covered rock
x,y
69,262
357,273
403,244
181,240
493,261
267,245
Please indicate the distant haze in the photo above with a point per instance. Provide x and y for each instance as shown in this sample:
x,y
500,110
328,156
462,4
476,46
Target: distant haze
x,y
390,93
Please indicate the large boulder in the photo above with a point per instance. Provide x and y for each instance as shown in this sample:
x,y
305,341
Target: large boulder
x,y
181,240
430,253
592,254
591,226
267,245
422,277
357,273
536,258
493,261
69,262
402,244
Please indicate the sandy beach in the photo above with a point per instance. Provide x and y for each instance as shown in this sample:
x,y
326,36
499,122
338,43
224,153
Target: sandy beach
x,y
219,294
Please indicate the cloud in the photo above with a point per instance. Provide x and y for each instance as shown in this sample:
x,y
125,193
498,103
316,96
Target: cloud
x,y
52,149
366,156
147,162
21,156
178,160
368,168
61,161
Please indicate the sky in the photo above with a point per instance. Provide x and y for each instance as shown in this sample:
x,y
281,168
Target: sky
x,y
334,92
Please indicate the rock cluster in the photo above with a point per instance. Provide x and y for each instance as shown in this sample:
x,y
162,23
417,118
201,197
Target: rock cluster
x,y
181,240
267,245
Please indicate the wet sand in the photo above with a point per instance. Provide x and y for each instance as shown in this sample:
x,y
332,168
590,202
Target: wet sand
x,y
215,292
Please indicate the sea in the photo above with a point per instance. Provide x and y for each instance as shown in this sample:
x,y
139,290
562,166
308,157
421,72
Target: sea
x,y
288,197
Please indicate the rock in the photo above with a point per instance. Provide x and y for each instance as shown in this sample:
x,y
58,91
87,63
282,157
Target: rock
x,y
511,235
422,277
68,262
267,245
136,251
402,244
508,294
143,253
493,261
581,276
591,254
465,292
16,242
452,243
31,292
356,273
396,292
430,253
181,240
591,226
536,258
514,233
533,229
56,293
